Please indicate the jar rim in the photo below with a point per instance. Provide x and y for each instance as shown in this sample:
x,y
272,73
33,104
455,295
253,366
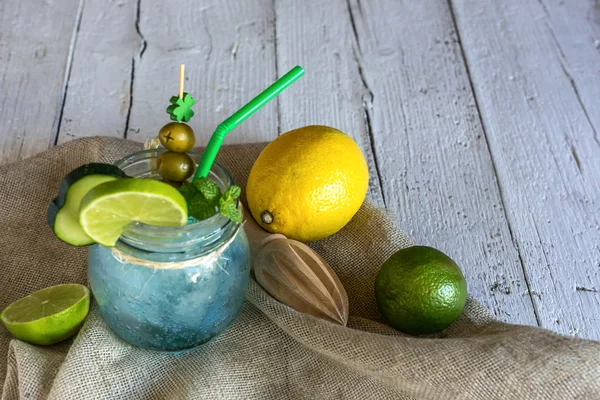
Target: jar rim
x,y
205,233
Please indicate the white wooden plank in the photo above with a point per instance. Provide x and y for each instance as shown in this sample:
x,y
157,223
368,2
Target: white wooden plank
x,y
34,54
98,91
318,36
546,154
429,144
575,27
227,47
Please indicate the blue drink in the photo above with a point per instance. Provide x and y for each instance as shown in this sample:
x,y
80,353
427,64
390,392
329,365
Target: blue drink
x,y
171,288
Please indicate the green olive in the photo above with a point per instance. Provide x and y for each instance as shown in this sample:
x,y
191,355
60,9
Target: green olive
x,y
177,136
175,167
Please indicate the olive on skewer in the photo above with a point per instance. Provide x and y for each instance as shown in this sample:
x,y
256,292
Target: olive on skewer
x,y
175,167
177,137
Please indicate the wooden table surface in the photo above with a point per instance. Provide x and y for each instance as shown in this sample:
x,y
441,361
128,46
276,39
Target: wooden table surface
x,y
480,119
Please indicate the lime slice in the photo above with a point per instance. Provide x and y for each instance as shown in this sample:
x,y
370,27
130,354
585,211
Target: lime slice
x,y
49,315
109,207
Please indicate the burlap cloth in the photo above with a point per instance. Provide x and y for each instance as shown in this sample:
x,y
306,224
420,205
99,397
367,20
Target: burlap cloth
x,y
271,351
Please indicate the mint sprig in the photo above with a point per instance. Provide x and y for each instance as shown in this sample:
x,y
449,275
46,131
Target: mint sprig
x,y
205,199
208,188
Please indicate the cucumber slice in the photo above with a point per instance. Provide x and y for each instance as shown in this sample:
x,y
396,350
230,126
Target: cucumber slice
x,y
81,172
63,212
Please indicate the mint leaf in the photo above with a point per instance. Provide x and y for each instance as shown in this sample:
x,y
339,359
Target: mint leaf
x,y
204,198
188,191
208,188
199,201
232,193
201,208
230,210
201,212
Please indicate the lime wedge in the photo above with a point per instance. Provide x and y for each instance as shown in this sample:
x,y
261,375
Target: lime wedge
x,y
109,207
49,315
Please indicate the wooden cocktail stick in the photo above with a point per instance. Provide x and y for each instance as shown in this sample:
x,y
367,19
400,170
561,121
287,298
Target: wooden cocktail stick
x,y
181,80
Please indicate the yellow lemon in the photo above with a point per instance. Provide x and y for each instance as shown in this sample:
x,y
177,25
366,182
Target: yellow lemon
x,y
308,183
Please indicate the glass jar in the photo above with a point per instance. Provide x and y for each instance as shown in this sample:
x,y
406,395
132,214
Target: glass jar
x,y
171,288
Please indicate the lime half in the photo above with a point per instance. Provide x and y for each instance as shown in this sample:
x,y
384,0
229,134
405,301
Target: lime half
x,y
49,315
109,207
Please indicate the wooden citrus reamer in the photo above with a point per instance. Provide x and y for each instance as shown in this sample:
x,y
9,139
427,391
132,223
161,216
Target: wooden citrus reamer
x,y
295,274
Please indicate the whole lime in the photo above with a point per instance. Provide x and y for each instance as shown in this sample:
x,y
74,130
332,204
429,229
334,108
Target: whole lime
x,y
420,290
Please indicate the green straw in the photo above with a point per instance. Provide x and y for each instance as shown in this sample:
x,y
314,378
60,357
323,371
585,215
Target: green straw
x,y
216,140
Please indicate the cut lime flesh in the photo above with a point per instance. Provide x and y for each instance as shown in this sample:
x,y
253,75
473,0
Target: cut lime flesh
x,y
48,316
109,207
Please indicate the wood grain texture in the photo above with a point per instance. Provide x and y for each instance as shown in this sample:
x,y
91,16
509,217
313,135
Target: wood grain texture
x,y
228,49
436,167
318,36
98,91
35,38
575,27
546,153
